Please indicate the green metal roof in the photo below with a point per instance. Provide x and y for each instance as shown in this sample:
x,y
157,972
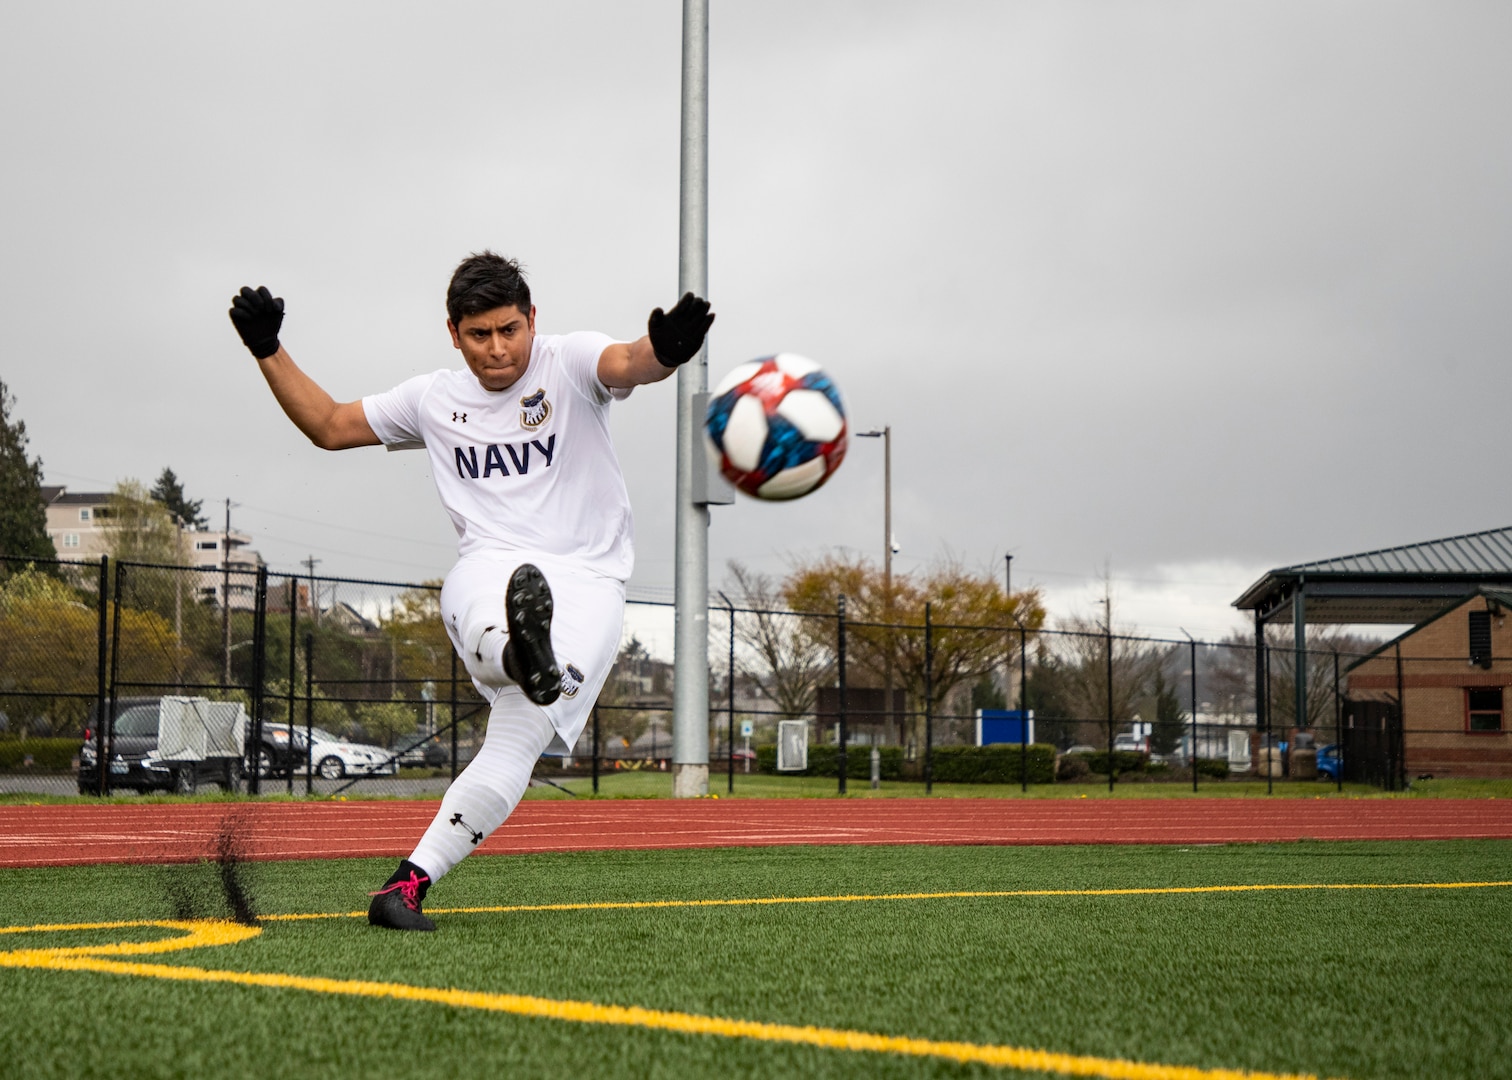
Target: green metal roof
x,y
1488,552
1404,584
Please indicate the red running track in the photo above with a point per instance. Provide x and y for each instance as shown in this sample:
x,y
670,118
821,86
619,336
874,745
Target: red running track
x,y
80,834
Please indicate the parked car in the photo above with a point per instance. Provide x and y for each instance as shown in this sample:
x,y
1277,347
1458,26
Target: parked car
x,y
428,755
139,761
1330,762
331,756
274,756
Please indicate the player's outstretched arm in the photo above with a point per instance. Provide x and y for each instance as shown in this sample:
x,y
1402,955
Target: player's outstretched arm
x,y
672,339
329,424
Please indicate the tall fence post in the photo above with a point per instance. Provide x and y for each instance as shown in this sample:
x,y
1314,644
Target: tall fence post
x,y
1396,741
596,745
1024,708
1338,730
309,762
1270,734
102,717
454,715
259,660
730,789
1194,710
115,675
928,700
840,762
1108,642
1262,671
293,673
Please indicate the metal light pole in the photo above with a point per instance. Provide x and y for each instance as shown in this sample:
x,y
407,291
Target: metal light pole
x,y
690,700
885,434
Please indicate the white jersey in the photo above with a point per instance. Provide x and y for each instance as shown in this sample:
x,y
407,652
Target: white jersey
x,y
526,469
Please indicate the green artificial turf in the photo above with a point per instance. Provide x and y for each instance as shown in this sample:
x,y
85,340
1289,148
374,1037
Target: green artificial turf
x,y
1362,983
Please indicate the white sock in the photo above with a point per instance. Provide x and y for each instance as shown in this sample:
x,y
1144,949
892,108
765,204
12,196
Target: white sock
x,y
488,790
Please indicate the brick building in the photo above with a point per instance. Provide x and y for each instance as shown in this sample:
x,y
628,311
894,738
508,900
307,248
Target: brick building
x,y
1451,674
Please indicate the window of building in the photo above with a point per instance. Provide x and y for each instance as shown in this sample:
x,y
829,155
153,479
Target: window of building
x,y
84,513
1483,709
206,545
70,539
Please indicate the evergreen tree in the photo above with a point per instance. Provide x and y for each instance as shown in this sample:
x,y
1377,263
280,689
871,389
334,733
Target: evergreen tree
x,y
169,492
23,518
1169,717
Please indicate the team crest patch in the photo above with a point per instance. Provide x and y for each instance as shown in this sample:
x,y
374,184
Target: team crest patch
x,y
535,410
572,681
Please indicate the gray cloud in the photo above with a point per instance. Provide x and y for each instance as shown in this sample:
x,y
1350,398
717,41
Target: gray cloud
x,y
1160,284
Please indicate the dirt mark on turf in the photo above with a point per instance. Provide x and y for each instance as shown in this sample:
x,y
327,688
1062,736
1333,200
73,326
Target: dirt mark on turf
x,y
215,887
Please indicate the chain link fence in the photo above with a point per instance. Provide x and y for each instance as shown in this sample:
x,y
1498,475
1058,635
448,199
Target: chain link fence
x,y
344,684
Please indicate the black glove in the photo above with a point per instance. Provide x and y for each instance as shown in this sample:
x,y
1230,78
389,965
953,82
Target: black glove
x,y
257,317
677,335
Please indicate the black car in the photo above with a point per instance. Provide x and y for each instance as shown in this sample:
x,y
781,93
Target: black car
x,y
132,747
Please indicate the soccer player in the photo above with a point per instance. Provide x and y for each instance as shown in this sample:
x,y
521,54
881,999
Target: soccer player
x,y
519,447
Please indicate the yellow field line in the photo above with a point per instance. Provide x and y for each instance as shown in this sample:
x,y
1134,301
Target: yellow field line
x,y
585,1012
853,898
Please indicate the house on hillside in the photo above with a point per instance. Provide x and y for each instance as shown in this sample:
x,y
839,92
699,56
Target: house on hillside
x,y
76,521
1450,674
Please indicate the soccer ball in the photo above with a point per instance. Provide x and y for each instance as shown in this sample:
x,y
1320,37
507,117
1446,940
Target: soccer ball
x,y
777,426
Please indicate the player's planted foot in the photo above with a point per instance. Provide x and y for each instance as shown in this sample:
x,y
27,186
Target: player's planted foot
x,y
528,658
396,906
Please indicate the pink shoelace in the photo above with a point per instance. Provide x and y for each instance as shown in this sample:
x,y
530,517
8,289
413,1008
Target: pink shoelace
x,y
408,890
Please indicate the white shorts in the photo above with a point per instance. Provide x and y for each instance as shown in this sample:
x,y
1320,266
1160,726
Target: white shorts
x,y
588,616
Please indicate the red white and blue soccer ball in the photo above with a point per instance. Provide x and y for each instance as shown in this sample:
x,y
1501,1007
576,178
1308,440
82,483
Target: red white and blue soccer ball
x,y
777,426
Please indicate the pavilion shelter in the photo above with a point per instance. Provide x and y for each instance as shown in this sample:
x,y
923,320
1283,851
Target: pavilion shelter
x,y
1416,585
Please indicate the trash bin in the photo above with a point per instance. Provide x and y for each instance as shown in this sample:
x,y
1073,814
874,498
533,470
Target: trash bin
x,y
1304,764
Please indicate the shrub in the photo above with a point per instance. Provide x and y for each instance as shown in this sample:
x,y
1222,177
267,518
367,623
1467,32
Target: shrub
x,y
822,758
1216,768
1073,767
997,764
1125,761
46,754
1001,763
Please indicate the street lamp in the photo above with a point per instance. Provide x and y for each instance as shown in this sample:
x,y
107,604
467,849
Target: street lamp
x,y
888,547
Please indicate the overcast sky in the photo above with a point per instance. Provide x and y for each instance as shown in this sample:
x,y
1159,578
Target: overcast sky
x,y
1182,291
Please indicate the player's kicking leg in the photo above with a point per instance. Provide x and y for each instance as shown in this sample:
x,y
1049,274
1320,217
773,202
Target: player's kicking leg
x,y
476,804
489,789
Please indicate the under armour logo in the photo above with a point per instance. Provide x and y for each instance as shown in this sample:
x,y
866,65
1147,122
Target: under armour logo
x,y
459,418
477,837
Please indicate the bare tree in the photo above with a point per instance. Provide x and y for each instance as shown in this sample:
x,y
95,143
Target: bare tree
x,y
973,619
792,659
1232,677
1082,648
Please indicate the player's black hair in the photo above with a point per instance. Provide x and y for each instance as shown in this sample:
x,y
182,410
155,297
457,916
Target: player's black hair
x,y
484,281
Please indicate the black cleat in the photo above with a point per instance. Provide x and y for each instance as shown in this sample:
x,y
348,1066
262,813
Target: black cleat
x,y
528,658
396,906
